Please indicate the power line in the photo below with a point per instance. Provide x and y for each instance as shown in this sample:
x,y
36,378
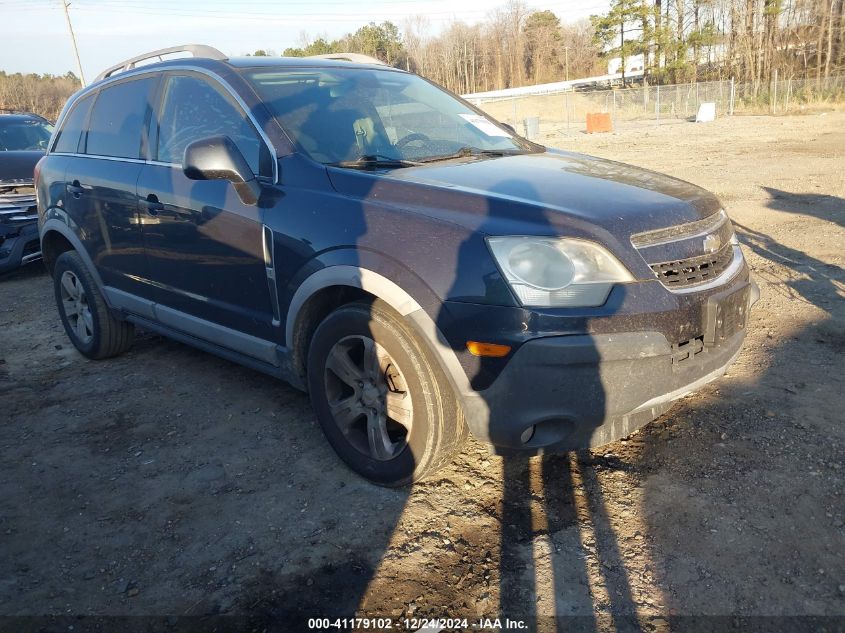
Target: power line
x,y
270,9
209,10
113,5
65,5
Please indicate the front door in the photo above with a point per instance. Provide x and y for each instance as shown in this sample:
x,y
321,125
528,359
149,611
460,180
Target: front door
x,y
204,245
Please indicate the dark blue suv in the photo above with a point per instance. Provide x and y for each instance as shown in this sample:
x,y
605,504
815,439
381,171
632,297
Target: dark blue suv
x,y
365,235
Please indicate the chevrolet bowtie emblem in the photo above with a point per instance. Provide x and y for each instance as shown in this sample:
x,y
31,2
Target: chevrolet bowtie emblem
x,y
712,243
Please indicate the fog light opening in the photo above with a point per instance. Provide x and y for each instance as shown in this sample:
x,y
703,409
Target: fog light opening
x,y
527,434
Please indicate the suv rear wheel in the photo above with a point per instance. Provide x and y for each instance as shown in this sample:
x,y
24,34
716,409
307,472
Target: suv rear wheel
x,y
89,323
381,399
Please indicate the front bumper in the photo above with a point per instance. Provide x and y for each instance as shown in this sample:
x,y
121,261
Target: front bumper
x,y
18,245
562,393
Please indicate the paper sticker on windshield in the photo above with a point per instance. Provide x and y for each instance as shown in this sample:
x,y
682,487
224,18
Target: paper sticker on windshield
x,y
482,124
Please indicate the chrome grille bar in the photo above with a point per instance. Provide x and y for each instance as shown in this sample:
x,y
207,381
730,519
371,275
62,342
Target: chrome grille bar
x,y
17,202
680,232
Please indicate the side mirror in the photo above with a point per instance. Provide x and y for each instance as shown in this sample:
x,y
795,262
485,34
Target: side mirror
x,y
218,158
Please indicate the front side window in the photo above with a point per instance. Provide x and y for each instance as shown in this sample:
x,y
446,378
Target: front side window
x,y
341,114
18,134
193,109
68,137
118,119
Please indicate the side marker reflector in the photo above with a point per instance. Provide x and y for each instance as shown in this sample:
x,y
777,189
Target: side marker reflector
x,y
491,350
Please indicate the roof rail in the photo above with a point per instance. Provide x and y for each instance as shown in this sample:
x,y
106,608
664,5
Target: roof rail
x,y
197,50
356,58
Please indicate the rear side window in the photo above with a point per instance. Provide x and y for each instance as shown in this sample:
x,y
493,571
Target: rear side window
x,y
118,119
67,139
193,109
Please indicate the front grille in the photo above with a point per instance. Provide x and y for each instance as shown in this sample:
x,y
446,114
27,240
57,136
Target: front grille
x,y
694,270
17,203
680,232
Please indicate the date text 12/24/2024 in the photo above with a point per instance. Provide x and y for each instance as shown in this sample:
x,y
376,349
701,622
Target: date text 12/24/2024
x,y
417,625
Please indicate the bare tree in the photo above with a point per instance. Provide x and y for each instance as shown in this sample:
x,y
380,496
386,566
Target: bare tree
x,y
41,94
681,40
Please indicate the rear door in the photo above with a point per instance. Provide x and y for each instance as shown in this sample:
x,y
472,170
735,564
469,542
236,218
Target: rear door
x,y
101,180
204,245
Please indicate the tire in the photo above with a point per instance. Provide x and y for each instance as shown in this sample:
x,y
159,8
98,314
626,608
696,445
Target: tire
x,y
397,419
90,325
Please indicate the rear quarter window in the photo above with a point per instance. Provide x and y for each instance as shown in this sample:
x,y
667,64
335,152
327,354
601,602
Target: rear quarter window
x,y
119,118
67,138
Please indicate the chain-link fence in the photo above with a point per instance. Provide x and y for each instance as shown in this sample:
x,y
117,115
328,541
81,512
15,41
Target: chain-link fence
x,y
539,115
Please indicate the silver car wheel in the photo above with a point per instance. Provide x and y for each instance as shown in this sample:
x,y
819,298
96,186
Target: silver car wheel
x,y
76,308
368,397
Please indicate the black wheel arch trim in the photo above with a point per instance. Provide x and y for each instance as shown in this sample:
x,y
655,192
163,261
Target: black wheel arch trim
x,y
54,224
398,298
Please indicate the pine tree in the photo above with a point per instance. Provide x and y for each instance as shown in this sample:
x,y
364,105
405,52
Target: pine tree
x,y
621,31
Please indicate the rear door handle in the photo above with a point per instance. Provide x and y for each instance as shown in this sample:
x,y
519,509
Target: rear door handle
x,y
151,204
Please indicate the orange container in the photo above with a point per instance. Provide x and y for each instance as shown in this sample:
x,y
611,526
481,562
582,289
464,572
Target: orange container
x,y
598,122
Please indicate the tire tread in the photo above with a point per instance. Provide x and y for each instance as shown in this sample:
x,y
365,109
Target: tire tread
x,y
451,429
115,335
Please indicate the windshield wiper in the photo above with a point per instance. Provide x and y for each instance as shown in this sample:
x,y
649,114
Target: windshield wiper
x,y
368,161
472,151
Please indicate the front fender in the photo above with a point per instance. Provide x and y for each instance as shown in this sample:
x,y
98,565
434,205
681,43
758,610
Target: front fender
x,y
359,268
417,310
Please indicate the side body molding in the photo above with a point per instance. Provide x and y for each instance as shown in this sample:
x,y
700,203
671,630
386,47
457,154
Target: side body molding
x,y
474,408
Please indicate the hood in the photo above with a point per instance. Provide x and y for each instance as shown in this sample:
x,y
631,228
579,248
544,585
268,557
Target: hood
x,y
18,165
540,193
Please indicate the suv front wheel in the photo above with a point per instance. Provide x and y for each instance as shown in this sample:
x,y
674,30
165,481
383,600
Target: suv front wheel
x,y
381,399
89,323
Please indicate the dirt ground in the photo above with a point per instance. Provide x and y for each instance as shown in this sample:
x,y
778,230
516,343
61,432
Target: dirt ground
x,y
168,482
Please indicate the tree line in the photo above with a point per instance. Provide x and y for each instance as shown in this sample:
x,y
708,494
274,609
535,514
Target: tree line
x,y
40,94
752,40
514,46
679,41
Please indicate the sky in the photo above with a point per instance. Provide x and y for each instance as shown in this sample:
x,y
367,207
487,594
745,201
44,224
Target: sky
x,y
36,38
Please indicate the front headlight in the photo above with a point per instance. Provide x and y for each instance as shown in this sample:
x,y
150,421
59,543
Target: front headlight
x,y
557,271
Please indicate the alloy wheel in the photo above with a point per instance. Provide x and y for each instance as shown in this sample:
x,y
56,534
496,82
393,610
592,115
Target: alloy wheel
x,y
76,308
368,397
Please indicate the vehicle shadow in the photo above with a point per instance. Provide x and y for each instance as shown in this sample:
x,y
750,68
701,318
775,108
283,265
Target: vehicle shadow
x,y
823,206
31,270
795,274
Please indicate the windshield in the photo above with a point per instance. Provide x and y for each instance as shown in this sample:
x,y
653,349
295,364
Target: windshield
x,y
24,134
343,114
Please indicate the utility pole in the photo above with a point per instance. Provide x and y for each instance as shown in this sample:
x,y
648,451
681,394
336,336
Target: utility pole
x,y
566,60
65,5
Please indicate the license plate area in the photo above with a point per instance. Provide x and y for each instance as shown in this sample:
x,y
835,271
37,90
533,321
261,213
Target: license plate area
x,y
725,314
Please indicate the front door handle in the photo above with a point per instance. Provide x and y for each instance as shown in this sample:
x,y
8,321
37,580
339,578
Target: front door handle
x,y
75,189
151,204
